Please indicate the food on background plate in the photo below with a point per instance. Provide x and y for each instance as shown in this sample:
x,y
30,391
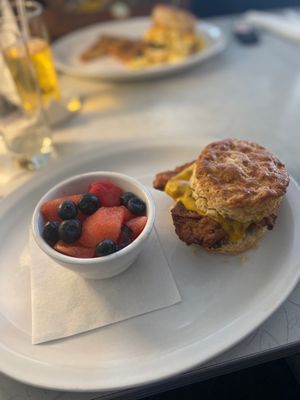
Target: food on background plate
x,y
124,49
171,37
228,198
93,224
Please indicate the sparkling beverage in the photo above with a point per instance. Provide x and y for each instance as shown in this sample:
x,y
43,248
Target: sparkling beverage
x,y
20,66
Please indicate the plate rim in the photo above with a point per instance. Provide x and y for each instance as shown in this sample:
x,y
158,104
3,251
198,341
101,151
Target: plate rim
x,y
31,379
155,71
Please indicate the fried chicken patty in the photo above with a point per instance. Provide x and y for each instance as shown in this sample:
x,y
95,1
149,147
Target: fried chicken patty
x,y
193,228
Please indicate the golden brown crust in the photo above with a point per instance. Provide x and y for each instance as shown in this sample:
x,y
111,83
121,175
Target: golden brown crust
x,y
193,228
173,18
122,48
239,179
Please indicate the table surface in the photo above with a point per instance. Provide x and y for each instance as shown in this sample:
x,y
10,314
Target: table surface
x,y
248,92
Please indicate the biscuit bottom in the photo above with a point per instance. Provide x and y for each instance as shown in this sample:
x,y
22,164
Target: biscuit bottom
x,y
237,247
193,228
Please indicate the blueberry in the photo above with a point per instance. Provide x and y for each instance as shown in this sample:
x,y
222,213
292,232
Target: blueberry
x,y
89,203
137,206
125,237
50,232
126,197
70,230
105,248
125,230
67,210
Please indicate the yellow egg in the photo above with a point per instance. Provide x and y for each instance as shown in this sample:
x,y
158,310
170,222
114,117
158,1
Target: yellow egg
x,y
180,190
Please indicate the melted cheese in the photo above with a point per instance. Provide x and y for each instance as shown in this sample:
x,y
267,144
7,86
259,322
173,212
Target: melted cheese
x,y
179,189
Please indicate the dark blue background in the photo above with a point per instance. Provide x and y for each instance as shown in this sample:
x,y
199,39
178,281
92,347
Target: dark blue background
x,y
206,8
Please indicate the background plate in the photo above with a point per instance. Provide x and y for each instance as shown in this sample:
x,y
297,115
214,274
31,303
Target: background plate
x,y
223,298
67,50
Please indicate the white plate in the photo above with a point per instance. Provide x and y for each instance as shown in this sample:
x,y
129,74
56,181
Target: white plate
x,y
223,298
68,49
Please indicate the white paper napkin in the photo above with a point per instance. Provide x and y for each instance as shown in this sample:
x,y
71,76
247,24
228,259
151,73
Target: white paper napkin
x,y
286,25
64,304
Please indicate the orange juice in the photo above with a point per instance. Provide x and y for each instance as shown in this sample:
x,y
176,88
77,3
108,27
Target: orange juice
x,y
20,66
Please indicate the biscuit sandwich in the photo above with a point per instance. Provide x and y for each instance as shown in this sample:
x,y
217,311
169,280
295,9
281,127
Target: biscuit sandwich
x,y
228,198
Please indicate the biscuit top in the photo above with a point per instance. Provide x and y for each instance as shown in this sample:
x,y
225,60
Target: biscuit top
x,y
173,18
234,174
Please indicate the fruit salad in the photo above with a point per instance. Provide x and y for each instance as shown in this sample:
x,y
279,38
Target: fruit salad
x,y
97,223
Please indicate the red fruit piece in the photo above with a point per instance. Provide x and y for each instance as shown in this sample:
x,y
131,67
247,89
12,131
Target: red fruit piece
x,y
137,225
107,192
105,223
73,250
128,215
49,209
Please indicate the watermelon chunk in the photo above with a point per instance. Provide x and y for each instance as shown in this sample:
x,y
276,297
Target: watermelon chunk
x,y
137,225
105,223
73,250
128,215
107,192
49,209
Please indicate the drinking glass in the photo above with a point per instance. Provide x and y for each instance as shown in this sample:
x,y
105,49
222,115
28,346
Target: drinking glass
x,y
58,107
25,130
40,55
